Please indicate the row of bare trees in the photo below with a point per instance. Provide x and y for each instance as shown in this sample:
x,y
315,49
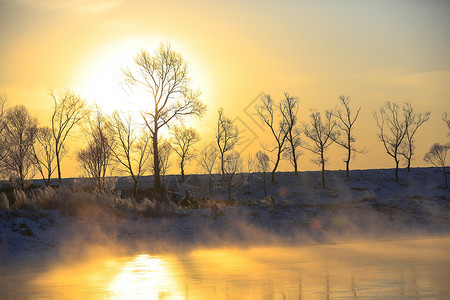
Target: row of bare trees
x,y
133,147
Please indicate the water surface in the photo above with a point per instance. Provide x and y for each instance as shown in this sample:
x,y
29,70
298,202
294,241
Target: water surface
x,y
401,269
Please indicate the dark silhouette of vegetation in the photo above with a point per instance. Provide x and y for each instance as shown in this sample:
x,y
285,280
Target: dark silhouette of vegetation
x,y
413,122
393,128
437,157
289,110
165,75
263,166
44,153
96,158
322,134
183,141
68,110
132,147
207,159
227,136
19,134
265,110
345,123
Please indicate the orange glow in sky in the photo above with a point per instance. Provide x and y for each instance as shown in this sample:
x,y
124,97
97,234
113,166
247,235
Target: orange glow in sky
x,y
372,51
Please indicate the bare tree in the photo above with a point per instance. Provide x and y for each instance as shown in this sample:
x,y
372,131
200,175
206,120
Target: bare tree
x,y
393,128
437,156
164,151
208,157
96,159
232,168
20,130
183,141
165,75
289,110
345,123
447,121
69,109
44,153
227,136
413,122
322,134
132,147
265,110
249,167
263,167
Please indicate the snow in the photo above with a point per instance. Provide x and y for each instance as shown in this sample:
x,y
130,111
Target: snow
x,y
368,206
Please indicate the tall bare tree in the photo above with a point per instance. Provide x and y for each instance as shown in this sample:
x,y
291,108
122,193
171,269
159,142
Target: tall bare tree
x,y
265,110
19,136
165,75
393,128
227,136
345,123
183,141
207,159
322,134
44,153
413,122
289,110
69,109
96,158
437,156
132,146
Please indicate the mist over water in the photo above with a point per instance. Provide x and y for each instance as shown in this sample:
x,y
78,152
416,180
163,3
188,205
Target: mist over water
x,y
400,269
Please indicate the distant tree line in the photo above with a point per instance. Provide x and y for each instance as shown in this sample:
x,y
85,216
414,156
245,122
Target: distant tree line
x,y
117,143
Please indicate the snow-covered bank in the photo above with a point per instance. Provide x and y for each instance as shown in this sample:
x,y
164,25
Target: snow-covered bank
x,y
368,206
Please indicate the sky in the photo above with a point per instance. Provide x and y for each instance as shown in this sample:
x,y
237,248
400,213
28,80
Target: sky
x,y
372,51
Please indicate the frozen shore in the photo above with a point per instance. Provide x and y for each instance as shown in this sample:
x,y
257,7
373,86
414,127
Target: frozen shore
x,y
369,206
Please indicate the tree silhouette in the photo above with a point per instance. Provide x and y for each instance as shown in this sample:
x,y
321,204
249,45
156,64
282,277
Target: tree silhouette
x,y
393,128
322,134
20,130
437,156
265,110
413,122
132,146
165,76
96,158
183,141
227,136
263,167
44,153
69,109
289,110
207,159
345,124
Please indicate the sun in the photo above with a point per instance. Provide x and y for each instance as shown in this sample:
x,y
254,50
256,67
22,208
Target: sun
x,y
101,80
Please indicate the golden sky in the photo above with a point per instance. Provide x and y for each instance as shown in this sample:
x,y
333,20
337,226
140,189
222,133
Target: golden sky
x,y
373,51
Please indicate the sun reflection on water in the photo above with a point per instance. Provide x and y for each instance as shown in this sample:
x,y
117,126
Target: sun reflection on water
x,y
145,277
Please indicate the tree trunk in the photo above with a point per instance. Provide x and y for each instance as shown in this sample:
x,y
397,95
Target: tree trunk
x,y
396,170
409,164
156,168
294,157
135,188
223,176
58,164
323,171
182,169
210,185
276,166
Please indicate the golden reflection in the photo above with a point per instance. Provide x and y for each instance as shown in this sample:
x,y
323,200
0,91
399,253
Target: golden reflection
x,y
385,269
145,277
